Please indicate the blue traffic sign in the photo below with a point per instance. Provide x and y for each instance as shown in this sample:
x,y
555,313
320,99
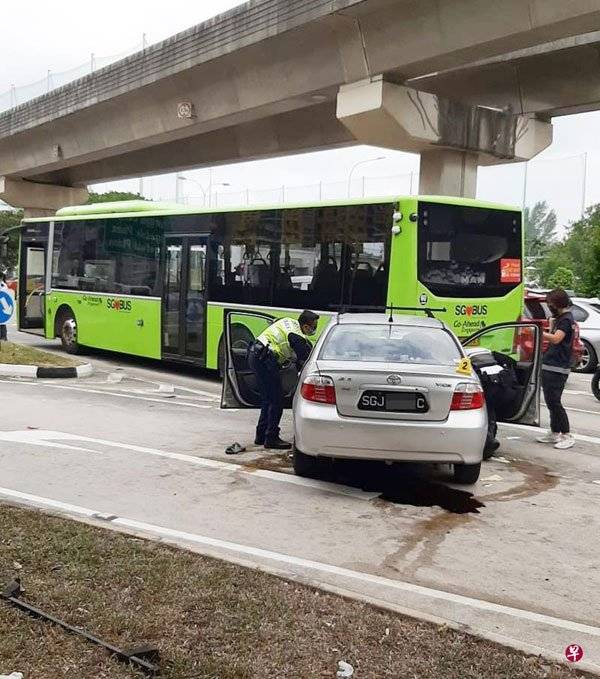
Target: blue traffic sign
x,y
7,306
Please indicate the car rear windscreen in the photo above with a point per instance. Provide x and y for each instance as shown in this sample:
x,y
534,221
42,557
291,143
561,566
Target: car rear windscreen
x,y
391,344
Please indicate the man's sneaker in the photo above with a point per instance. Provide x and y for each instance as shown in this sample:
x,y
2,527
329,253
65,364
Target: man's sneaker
x,y
566,442
278,444
550,437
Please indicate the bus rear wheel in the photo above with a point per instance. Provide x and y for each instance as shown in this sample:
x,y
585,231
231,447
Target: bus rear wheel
x,y
66,326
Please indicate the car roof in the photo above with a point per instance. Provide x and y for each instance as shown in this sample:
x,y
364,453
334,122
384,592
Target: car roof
x,y
383,319
585,300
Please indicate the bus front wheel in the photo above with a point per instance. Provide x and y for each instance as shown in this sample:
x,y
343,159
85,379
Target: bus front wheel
x,y
67,331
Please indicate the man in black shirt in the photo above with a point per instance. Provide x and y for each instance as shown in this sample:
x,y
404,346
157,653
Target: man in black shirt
x,y
556,367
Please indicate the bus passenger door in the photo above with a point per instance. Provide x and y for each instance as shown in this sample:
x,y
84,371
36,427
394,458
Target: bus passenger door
x,y
184,297
32,283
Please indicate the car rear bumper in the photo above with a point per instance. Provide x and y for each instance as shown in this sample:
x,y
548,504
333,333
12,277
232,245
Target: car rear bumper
x,y
320,430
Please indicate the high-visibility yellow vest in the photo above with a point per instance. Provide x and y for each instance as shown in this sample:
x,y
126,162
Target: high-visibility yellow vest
x,y
276,338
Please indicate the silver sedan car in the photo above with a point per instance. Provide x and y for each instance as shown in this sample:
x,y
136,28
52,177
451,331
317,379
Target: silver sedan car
x,y
587,313
389,391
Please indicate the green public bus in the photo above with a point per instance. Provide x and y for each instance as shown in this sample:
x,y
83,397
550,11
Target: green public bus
x,y
155,280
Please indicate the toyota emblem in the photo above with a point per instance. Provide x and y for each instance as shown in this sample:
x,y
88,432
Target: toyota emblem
x,y
394,379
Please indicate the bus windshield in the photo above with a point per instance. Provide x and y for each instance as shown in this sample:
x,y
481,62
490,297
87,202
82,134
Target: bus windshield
x,y
466,251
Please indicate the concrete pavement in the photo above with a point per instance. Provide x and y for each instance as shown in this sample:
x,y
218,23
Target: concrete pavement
x,y
140,448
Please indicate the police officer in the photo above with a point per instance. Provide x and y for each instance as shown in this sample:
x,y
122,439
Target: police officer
x,y
279,344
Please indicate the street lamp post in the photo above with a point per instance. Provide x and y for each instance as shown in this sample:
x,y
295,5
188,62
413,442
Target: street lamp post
x,y
360,162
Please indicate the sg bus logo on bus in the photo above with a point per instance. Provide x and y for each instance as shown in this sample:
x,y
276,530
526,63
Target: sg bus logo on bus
x,y
119,304
471,310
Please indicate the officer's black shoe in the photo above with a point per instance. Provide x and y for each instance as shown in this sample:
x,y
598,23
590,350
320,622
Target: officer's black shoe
x,y
259,441
490,448
278,444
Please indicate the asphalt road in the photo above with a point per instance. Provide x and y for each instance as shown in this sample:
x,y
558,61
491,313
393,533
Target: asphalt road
x,y
140,446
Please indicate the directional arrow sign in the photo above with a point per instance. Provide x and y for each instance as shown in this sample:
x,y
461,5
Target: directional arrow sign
x,y
7,306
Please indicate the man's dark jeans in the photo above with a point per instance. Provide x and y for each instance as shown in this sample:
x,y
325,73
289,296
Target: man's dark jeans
x,y
553,385
268,379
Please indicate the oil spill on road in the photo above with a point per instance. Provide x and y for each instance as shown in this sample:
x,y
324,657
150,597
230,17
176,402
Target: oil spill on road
x,y
430,533
537,479
405,485
275,462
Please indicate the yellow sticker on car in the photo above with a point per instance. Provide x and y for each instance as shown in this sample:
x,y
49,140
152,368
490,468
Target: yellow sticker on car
x,y
465,367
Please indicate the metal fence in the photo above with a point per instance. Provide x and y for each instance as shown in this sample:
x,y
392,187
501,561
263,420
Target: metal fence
x,y
17,95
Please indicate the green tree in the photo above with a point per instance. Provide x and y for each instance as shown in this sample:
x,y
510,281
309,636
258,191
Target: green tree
x,y
540,229
113,196
8,219
562,278
579,251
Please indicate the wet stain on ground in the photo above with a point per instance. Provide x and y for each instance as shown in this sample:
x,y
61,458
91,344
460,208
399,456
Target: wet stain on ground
x,y
537,479
276,462
408,485
427,537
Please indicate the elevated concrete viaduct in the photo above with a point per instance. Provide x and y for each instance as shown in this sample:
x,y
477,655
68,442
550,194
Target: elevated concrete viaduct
x,y
274,77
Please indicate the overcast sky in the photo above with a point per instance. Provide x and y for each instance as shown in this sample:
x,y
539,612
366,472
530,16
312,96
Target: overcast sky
x,y
64,34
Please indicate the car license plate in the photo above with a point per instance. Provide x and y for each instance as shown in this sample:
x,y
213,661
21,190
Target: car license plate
x,y
393,402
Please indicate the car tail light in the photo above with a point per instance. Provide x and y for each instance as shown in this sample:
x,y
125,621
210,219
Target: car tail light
x,y
467,396
318,389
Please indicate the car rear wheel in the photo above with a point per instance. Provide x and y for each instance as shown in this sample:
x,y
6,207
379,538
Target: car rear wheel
x,y
467,473
305,465
589,359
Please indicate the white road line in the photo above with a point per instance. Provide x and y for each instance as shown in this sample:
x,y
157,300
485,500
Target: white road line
x,y
104,392
48,439
587,412
574,392
534,432
319,567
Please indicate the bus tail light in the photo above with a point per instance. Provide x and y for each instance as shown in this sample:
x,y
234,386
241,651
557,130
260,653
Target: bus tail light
x,y
467,396
318,389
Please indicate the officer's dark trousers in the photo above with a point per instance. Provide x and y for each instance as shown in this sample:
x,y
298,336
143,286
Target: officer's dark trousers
x,y
553,385
268,378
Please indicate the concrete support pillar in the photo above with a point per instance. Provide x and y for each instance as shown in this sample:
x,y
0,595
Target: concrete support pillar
x,y
446,172
40,200
453,138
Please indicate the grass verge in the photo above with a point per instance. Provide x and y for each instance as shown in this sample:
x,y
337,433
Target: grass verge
x,y
210,619
19,354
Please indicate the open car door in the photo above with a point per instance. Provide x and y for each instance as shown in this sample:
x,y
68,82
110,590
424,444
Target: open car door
x,y
240,389
518,347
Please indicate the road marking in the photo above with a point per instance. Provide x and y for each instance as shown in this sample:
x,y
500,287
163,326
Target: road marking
x,y
534,431
579,410
288,560
105,392
47,439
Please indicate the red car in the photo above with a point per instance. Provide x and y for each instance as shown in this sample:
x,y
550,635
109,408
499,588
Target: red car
x,y
536,311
